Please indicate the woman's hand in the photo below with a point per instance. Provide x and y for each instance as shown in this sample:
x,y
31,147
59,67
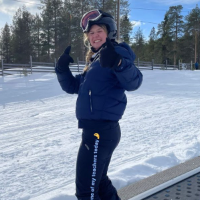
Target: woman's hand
x,y
108,56
64,60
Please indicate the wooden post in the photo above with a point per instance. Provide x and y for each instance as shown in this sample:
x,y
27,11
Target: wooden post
x,y
179,64
195,47
2,66
55,63
152,62
191,65
31,64
78,63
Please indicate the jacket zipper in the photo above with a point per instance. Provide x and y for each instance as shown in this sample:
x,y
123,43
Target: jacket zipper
x,y
90,94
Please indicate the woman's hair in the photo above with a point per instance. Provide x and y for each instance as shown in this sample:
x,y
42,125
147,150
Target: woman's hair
x,y
87,44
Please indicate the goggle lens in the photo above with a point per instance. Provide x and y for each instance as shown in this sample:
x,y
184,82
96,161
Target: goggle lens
x,y
92,15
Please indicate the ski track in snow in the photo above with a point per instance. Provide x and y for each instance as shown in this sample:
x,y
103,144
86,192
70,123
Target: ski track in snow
x,y
39,138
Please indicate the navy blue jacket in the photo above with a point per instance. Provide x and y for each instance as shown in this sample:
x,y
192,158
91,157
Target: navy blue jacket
x,y
101,91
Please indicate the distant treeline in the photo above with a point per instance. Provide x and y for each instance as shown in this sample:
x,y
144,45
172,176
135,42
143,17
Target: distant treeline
x,y
44,36
176,38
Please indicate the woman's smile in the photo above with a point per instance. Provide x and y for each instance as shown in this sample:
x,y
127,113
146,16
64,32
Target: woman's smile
x,y
97,36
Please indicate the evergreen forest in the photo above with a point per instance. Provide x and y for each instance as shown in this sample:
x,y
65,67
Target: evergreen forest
x,y
45,35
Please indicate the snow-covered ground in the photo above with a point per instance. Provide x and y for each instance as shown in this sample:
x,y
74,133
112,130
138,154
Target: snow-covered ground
x,y
39,138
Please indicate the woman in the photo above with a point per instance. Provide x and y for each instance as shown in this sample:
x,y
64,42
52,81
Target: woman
x,y
101,101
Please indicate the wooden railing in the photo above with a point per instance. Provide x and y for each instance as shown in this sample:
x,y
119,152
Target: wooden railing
x,y
32,67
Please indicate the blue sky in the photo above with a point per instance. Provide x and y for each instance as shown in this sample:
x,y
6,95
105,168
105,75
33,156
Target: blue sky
x,y
145,13
154,10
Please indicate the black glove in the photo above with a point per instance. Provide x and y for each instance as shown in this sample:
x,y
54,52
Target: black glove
x,y
108,56
64,60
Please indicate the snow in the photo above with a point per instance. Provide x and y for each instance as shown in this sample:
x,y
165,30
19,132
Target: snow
x,y
39,138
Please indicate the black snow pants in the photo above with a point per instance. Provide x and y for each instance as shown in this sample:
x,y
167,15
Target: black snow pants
x,y
97,146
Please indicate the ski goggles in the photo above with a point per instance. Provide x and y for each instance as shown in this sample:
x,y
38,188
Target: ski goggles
x,y
92,15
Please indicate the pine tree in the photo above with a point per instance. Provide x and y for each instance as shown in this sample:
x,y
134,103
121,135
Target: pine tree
x,y
47,35
175,23
125,29
152,45
192,30
36,33
139,44
64,37
165,40
51,18
1,45
6,44
21,29
186,46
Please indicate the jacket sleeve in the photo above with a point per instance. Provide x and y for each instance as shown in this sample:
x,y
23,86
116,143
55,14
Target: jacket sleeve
x,y
129,75
68,82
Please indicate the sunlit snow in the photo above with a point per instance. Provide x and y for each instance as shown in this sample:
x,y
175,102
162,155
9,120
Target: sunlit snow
x,y
39,138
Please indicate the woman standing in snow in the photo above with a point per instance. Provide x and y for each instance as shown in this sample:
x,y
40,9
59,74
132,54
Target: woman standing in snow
x,y
101,101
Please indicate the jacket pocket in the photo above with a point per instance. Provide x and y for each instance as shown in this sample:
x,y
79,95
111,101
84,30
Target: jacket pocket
x,y
90,96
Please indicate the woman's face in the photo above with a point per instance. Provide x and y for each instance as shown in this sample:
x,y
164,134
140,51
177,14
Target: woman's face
x,y
97,36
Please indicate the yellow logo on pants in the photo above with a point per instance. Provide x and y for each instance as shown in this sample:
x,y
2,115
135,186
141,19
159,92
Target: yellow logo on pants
x,y
97,135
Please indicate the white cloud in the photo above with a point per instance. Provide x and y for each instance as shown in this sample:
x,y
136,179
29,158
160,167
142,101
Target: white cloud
x,y
176,2
10,7
136,23
9,10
